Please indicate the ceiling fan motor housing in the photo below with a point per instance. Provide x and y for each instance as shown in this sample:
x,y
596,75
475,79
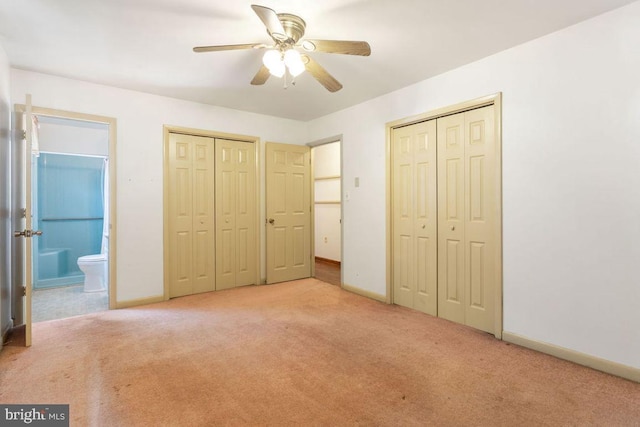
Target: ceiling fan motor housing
x,y
293,25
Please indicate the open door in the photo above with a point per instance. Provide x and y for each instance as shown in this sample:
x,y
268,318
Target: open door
x,y
22,249
288,174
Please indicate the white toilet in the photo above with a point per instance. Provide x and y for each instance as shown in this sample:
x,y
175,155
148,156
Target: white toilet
x,y
94,268
96,272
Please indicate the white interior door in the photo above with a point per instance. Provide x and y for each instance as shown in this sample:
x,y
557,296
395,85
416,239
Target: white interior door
x,y
22,222
288,174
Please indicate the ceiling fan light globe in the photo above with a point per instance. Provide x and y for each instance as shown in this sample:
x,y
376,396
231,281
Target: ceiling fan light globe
x,y
272,58
277,70
296,69
292,57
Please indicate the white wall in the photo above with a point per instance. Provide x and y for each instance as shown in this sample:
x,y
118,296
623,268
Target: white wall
x,y
571,174
326,163
5,196
73,136
571,150
140,119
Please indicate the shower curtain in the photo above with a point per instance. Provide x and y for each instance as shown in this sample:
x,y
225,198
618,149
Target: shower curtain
x,y
105,204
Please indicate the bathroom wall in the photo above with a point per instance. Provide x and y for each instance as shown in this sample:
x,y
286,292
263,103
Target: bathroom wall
x,y
69,211
5,196
68,206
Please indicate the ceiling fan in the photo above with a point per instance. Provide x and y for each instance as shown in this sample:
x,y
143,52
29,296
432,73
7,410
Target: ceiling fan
x,y
283,56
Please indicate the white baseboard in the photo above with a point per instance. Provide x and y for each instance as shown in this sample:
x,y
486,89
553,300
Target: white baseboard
x,y
364,293
141,301
603,365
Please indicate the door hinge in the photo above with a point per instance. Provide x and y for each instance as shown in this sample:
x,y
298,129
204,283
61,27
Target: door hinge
x,y
24,291
24,135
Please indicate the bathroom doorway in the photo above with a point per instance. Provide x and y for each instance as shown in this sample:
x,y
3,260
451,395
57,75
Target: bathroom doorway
x,y
70,205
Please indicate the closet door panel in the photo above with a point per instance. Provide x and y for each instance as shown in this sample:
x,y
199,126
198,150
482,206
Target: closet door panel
x,y
480,165
451,224
414,239
402,244
236,214
425,245
191,229
203,215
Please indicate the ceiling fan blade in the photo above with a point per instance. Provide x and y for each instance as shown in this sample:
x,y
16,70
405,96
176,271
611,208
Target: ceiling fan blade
x,y
344,47
228,47
270,20
321,75
261,76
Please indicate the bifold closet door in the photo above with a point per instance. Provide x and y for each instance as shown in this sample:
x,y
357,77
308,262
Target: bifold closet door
x,y
236,214
415,217
466,218
191,211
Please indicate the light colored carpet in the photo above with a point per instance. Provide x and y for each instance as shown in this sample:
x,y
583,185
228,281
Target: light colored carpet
x,y
300,353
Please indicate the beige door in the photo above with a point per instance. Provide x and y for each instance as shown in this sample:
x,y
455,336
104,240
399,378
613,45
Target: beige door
x,y
288,200
414,243
235,214
467,218
191,215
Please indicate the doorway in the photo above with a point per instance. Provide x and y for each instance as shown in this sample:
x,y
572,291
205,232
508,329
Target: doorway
x,y
70,205
62,149
327,188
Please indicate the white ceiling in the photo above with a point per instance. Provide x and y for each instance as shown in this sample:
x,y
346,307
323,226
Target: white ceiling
x,y
146,45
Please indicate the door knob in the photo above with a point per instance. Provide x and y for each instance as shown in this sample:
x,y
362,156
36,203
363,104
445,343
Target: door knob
x,y
423,226
453,228
27,233
272,221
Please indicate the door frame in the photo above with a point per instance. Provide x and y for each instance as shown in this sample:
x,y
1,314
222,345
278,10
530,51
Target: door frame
x,y
168,129
113,134
494,100
312,145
